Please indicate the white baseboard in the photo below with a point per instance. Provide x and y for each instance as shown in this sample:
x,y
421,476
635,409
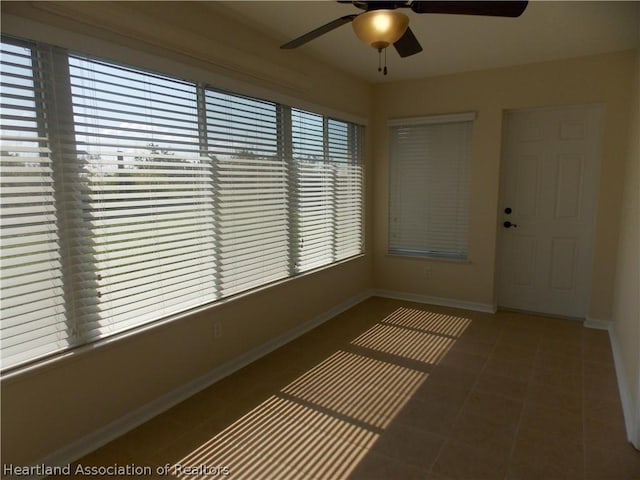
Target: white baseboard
x,y
631,419
443,302
597,324
635,432
128,422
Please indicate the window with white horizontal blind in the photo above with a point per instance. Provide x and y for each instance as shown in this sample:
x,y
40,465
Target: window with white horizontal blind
x,y
328,180
345,151
251,192
146,196
313,180
130,196
429,186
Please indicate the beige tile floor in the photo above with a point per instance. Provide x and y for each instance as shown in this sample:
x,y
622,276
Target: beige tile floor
x,y
397,390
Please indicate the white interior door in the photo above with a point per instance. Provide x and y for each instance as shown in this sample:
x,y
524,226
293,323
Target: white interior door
x,y
549,181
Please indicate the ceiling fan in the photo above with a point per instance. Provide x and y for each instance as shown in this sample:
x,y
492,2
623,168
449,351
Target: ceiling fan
x,y
382,24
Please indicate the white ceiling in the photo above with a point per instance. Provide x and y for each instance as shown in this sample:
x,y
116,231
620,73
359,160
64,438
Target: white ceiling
x,y
547,30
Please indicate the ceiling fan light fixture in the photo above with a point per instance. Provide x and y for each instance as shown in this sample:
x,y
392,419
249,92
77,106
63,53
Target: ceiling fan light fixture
x,y
380,28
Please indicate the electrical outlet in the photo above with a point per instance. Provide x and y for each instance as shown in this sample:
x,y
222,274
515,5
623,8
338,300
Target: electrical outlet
x,y
217,330
427,272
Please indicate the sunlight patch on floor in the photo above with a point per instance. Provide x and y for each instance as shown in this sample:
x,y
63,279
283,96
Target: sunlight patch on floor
x,y
281,439
430,322
323,423
406,343
363,389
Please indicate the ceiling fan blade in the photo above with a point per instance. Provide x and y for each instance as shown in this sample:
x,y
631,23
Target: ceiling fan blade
x,y
307,37
490,8
408,44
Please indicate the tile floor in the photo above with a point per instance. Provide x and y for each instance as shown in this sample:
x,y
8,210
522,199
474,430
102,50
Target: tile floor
x,y
396,390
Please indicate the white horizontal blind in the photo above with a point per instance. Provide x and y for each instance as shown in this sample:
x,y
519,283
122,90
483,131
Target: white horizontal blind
x,y
328,189
129,196
251,191
314,177
429,188
345,154
146,194
32,307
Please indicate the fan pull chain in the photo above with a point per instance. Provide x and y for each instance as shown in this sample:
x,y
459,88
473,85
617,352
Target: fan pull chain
x,y
385,61
380,69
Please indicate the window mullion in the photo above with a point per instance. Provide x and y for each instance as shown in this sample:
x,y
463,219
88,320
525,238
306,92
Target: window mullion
x,y
211,188
333,184
355,146
78,273
285,136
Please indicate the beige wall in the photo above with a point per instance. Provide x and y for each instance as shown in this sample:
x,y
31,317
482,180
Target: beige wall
x,y
626,309
596,79
50,407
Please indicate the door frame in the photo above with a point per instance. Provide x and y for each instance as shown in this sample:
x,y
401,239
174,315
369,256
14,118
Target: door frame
x,y
500,246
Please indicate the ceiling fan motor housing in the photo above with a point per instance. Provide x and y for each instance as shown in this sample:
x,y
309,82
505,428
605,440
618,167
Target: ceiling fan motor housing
x,y
380,27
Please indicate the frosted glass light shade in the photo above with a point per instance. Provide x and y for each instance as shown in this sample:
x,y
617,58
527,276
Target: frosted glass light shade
x,y
380,28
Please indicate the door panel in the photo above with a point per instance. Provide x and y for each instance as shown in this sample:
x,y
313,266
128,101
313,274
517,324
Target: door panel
x,y
524,256
562,265
569,187
526,185
549,181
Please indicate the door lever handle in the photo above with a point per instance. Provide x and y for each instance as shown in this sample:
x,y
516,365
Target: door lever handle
x,y
508,224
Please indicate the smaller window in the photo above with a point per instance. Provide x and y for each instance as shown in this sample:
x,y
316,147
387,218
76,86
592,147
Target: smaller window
x,y
430,158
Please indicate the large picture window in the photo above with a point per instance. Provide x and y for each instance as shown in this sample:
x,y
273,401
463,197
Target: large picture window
x,y
430,158
130,196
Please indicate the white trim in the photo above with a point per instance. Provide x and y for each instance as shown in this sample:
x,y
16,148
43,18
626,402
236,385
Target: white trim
x,y
631,415
631,419
128,422
597,324
548,107
635,433
443,302
431,119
